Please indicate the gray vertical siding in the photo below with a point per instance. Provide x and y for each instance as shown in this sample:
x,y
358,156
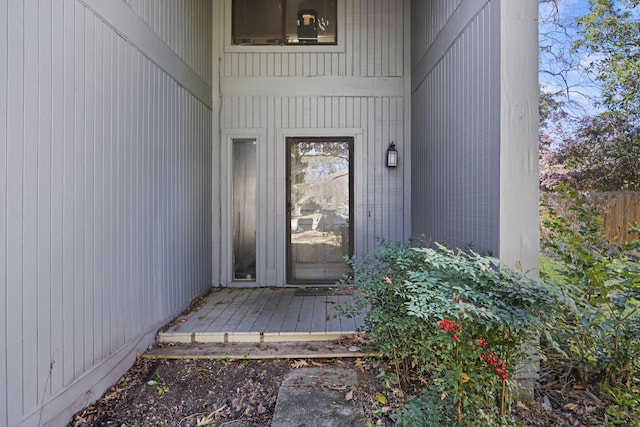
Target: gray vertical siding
x,y
105,199
360,87
456,123
379,192
181,25
474,126
374,46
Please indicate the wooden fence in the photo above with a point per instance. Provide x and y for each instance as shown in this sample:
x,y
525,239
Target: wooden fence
x,y
619,211
622,212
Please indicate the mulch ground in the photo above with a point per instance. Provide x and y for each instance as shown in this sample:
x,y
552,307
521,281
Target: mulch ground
x,y
239,393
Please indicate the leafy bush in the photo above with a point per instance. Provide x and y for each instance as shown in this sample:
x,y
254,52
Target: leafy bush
x,y
455,319
605,338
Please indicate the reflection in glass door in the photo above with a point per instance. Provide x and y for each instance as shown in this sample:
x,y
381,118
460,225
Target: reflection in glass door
x,y
319,206
244,209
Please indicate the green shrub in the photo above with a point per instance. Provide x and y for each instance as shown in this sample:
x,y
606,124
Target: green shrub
x,y
604,339
453,317
606,336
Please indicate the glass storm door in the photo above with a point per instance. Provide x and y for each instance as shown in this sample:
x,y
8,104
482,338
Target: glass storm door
x,y
319,207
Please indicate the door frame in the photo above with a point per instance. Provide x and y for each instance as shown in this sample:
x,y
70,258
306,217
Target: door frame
x,y
289,142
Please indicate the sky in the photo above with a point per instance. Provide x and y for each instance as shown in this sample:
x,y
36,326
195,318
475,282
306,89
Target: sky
x,y
561,70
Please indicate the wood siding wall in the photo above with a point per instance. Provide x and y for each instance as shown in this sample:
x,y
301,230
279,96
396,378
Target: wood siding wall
x,y
105,203
456,122
361,91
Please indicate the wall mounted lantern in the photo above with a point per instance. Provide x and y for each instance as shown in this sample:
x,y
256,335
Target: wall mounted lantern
x,y
392,156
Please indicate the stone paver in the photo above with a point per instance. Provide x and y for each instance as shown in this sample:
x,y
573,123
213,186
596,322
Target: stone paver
x,y
316,397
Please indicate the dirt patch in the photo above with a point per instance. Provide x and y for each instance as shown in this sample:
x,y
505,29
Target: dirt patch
x,y
242,393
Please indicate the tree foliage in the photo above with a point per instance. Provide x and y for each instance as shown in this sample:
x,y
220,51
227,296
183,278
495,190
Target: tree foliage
x,y
599,151
601,154
611,33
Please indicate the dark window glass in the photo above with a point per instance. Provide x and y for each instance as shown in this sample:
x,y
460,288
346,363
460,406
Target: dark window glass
x,y
284,22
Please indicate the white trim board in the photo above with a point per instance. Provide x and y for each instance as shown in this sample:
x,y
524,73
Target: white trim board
x,y
313,86
120,17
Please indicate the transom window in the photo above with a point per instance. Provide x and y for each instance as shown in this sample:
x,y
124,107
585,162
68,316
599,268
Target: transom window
x,y
284,22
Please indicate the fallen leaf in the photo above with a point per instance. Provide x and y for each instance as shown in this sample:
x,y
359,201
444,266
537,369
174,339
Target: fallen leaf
x,y
398,393
593,397
299,364
361,365
349,396
381,398
317,364
571,407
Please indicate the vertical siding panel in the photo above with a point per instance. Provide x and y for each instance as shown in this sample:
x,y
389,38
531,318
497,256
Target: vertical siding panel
x,y
364,38
398,47
45,284
78,168
356,34
348,57
99,271
298,64
349,113
57,169
371,37
89,190
68,184
277,64
306,108
263,69
284,64
30,209
321,110
4,136
313,112
320,65
108,194
14,172
242,64
385,36
257,113
292,112
464,139
139,145
299,111
395,27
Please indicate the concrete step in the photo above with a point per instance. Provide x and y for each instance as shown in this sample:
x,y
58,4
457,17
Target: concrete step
x,y
318,397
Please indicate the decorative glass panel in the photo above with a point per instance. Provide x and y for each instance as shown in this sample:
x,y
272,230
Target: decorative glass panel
x,y
244,209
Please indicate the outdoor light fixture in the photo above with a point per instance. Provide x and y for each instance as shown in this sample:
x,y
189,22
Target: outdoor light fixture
x,y
392,156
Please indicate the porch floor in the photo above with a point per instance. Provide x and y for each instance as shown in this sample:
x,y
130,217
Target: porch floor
x,y
260,315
